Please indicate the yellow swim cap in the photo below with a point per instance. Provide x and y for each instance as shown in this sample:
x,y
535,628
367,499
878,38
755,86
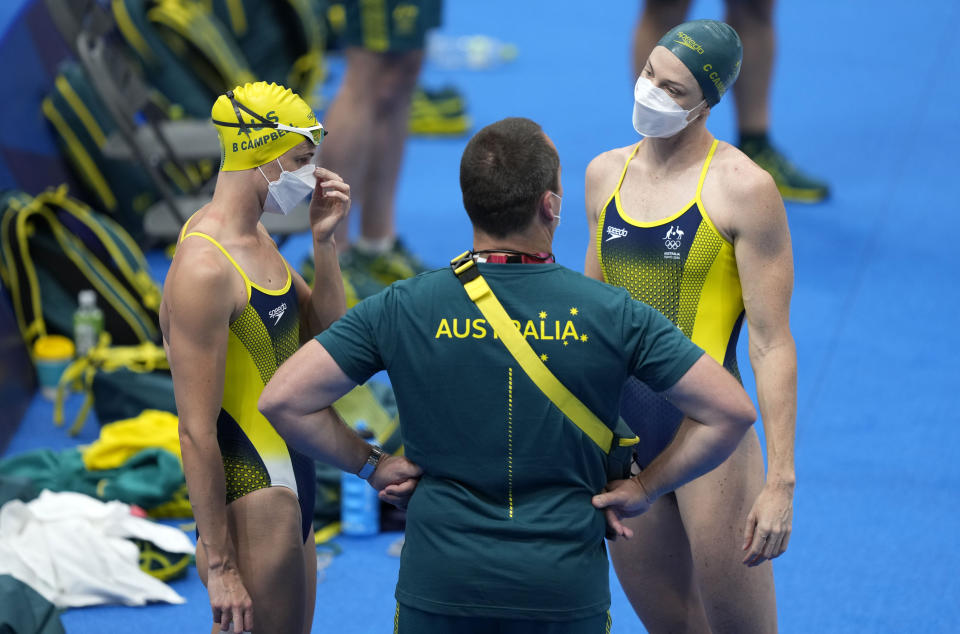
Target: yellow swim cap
x,y
259,122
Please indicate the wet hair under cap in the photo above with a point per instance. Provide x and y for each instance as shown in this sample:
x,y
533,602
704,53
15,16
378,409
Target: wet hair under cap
x,y
504,170
711,50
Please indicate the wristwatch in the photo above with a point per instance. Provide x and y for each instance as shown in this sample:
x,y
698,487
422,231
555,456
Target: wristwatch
x,y
376,455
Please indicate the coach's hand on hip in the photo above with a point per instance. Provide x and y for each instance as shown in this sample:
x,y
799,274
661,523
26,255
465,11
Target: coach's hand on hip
x,y
396,478
622,499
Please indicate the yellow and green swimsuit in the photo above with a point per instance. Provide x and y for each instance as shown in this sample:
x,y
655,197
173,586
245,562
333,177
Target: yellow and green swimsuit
x,y
683,267
265,334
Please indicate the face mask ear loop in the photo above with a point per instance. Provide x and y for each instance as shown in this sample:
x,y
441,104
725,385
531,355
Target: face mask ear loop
x,y
559,198
270,182
702,102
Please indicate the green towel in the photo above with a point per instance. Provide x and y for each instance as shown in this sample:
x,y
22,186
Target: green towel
x,y
148,479
24,611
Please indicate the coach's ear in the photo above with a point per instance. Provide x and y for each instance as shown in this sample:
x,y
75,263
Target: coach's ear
x,y
548,209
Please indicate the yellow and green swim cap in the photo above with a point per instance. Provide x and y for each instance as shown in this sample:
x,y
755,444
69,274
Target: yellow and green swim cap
x,y
711,50
258,122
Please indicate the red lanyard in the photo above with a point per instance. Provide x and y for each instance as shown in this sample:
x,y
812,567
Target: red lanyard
x,y
515,257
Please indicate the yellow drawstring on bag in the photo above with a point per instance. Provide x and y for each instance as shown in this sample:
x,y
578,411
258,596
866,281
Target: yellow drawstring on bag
x,y
145,357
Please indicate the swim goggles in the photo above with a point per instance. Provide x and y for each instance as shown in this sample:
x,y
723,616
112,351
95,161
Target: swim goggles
x,y
314,134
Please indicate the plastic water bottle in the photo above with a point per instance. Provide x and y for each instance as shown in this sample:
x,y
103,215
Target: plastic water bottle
x,y
87,322
475,52
359,505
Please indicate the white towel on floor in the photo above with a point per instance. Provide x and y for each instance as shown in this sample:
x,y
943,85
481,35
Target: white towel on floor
x,y
73,549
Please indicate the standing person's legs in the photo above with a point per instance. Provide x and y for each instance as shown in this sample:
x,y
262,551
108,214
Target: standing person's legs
x,y
267,534
309,581
655,567
683,570
753,21
655,570
714,508
392,91
350,120
368,124
658,17
385,47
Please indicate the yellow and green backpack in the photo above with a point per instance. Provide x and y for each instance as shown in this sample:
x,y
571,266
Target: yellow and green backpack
x,y
120,186
52,246
187,53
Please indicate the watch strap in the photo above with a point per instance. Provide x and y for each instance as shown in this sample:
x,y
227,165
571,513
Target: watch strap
x,y
376,455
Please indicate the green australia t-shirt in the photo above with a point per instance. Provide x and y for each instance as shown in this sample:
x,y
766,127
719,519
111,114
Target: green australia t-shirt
x,y
501,523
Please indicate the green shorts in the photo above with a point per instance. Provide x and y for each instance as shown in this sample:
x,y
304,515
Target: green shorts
x,y
409,620
384,26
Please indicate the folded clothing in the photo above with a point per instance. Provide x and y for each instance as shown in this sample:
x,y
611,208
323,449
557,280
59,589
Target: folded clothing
x,y
121,440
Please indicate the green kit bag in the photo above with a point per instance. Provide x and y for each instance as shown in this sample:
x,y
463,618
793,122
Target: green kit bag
x,y
187,53
52,247
83,125
284,40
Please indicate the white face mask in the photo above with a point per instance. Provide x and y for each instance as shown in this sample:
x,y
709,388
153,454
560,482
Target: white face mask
x,y
655,113
290,189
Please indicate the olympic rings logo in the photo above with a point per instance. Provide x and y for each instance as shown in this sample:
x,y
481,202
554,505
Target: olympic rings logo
x,y
673,237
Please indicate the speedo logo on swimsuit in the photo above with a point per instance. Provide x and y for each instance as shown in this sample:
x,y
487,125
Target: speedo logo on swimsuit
x,y
689,42
615,232
277,313
672,241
